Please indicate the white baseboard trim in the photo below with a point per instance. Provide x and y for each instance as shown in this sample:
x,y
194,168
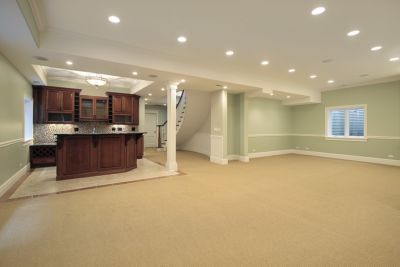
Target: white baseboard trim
x,y
239,157
270,153
221,161
13,179
391,162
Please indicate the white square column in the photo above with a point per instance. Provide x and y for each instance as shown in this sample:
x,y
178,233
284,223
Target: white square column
x,y
171,164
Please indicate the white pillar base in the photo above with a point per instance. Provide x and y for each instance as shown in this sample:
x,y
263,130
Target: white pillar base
x,y
171,166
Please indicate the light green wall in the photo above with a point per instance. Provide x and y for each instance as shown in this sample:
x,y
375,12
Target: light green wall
x,y
383,119
234,123
268,117
273,126
13,88
382,100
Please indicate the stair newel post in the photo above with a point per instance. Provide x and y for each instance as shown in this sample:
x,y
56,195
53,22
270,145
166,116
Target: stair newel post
x,y
159,145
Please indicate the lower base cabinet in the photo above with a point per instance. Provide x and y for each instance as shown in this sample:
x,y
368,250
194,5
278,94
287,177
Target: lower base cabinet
x,y
83,155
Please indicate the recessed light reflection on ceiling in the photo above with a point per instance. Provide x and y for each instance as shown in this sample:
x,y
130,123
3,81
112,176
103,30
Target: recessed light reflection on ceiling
x,y
288,96
182,39
331,81
163,89
114,19
291,70
183,81
225,87
318,10
149,94
264,62
313,76
271,94
229,53
376,48
353,33
393,59
135,73
69,62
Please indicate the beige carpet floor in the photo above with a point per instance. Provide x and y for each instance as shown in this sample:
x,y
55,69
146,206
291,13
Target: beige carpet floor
x,y
278,211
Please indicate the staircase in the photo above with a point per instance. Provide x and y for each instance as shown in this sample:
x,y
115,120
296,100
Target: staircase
x,y
192,111
180,115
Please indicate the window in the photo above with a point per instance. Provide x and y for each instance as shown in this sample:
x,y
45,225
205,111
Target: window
x,y
346,122
28,118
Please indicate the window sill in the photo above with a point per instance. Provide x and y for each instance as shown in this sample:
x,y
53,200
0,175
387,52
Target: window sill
x,y
351,139
28,141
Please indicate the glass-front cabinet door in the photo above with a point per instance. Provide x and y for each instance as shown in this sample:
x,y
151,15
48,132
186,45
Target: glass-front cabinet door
x,y
101,108
86,108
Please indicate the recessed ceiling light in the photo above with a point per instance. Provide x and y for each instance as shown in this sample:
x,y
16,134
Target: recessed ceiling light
x,y
328,60
163,89
149,94
183,81
331,81
313,76
146,99
318,10
165,104
229,53
394,59
353,33
264,62
69,62
182,39
376,48
288,96
271,94
40,58
225,87
135,73
114,19
291,70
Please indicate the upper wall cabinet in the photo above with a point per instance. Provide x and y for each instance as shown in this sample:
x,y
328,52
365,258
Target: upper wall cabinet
x,y
55,104
123,108
93,108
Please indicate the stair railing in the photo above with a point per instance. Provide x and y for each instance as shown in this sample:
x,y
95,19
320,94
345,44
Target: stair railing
x,y
162,128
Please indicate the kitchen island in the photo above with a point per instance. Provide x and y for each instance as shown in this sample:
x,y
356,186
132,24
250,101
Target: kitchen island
x,y
91,154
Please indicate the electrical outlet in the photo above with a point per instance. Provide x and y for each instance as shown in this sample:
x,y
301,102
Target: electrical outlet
x,y
390,156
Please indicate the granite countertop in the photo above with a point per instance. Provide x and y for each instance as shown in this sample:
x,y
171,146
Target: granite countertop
x,y
112,133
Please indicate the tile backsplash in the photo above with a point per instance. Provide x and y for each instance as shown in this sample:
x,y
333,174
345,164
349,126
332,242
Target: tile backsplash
x,y
44,133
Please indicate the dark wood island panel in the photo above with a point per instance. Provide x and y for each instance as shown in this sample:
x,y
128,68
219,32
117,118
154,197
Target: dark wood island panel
x,y
81,155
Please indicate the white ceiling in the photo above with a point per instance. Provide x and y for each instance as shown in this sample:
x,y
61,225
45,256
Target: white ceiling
x,y
280,31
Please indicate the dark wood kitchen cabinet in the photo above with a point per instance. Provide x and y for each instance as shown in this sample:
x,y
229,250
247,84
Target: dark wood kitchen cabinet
x,y
81,155
93,108
123,108
55,104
